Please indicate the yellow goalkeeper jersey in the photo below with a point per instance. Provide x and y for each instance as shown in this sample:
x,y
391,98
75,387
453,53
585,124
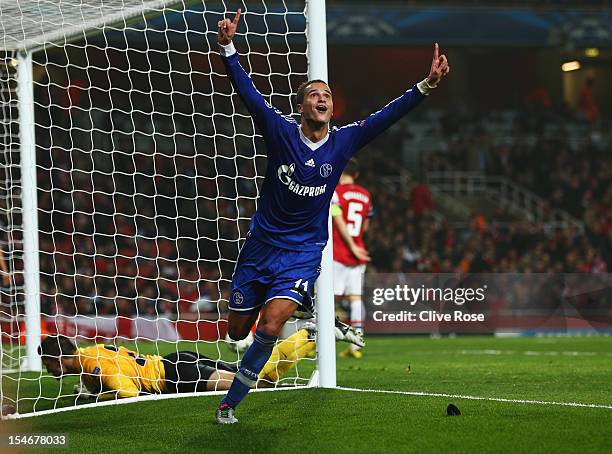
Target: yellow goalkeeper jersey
x,y
122,370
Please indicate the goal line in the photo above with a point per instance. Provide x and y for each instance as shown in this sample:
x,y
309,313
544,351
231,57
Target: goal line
x,y
151,397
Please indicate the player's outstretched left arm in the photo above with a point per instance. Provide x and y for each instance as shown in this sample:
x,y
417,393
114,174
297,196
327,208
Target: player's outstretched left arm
x,y
369,128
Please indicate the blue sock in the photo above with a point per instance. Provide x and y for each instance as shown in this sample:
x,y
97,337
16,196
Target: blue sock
x,y
253,361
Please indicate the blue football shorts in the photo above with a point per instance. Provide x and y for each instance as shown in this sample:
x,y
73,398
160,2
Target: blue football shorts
x,y
264,272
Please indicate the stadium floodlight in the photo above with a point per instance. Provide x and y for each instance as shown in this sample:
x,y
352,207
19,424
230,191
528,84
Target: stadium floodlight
x,y
573,65
131,171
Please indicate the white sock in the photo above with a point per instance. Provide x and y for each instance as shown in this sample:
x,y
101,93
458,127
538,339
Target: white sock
x,y
357,316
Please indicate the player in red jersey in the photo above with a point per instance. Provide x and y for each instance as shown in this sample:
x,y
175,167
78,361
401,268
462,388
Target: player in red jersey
x,y
351,210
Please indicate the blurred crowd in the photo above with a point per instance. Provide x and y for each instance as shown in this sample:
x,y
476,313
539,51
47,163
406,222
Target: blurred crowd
x,y
558,154
137,227
135,239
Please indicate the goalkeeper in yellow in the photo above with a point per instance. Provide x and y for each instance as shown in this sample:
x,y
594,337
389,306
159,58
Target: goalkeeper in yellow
x,y
117,372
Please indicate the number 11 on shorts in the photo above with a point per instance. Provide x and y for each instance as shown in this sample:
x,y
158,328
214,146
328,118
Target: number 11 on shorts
x,y
304,284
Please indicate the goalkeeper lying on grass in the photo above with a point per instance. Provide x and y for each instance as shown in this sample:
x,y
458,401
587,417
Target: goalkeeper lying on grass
x,y
109,372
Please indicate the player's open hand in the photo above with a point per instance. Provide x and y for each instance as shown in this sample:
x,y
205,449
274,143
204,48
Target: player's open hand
x,y
439,67
227,29
360,253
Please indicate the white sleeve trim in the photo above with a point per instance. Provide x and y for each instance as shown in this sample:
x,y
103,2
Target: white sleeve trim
x,y
424,87
227,50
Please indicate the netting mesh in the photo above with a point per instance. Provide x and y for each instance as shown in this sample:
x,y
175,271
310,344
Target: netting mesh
x,y
11,292
148,171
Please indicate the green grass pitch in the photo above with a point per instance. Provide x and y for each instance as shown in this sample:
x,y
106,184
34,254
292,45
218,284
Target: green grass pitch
x,y
310,420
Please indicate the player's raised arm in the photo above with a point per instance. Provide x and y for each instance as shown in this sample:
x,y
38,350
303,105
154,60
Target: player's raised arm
x,y
439,69
366,130
265,116
227,29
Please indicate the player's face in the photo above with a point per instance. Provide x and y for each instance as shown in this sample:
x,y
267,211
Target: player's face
x,y
318,105
53,366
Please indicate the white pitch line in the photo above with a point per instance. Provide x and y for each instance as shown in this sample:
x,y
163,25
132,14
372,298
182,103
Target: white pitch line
x,y
156,397
531,353
514,352
461,396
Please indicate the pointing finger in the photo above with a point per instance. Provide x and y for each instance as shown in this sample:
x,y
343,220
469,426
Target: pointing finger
x,y
436,50
237,17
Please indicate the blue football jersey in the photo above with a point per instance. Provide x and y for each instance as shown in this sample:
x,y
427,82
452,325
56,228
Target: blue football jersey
x,y
301,176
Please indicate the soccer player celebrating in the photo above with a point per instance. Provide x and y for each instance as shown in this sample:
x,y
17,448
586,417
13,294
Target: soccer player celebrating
x,y
280,260
351,209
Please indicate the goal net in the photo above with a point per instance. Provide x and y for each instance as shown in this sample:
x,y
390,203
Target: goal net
x,y
126,151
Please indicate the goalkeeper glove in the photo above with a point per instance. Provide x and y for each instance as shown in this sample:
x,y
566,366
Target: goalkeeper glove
x,y
83,391
342,331
348,334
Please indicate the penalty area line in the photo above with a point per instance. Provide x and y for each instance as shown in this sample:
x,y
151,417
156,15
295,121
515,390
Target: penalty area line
x,y
461,396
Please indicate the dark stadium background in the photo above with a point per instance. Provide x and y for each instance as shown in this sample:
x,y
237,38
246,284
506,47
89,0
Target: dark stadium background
x,y
507,168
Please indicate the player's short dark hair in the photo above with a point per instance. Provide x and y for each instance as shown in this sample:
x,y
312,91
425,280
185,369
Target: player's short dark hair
x,y
301,91
57,346
352,168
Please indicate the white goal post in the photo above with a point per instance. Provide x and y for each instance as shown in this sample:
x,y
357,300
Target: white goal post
x,y
316,32
124,140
